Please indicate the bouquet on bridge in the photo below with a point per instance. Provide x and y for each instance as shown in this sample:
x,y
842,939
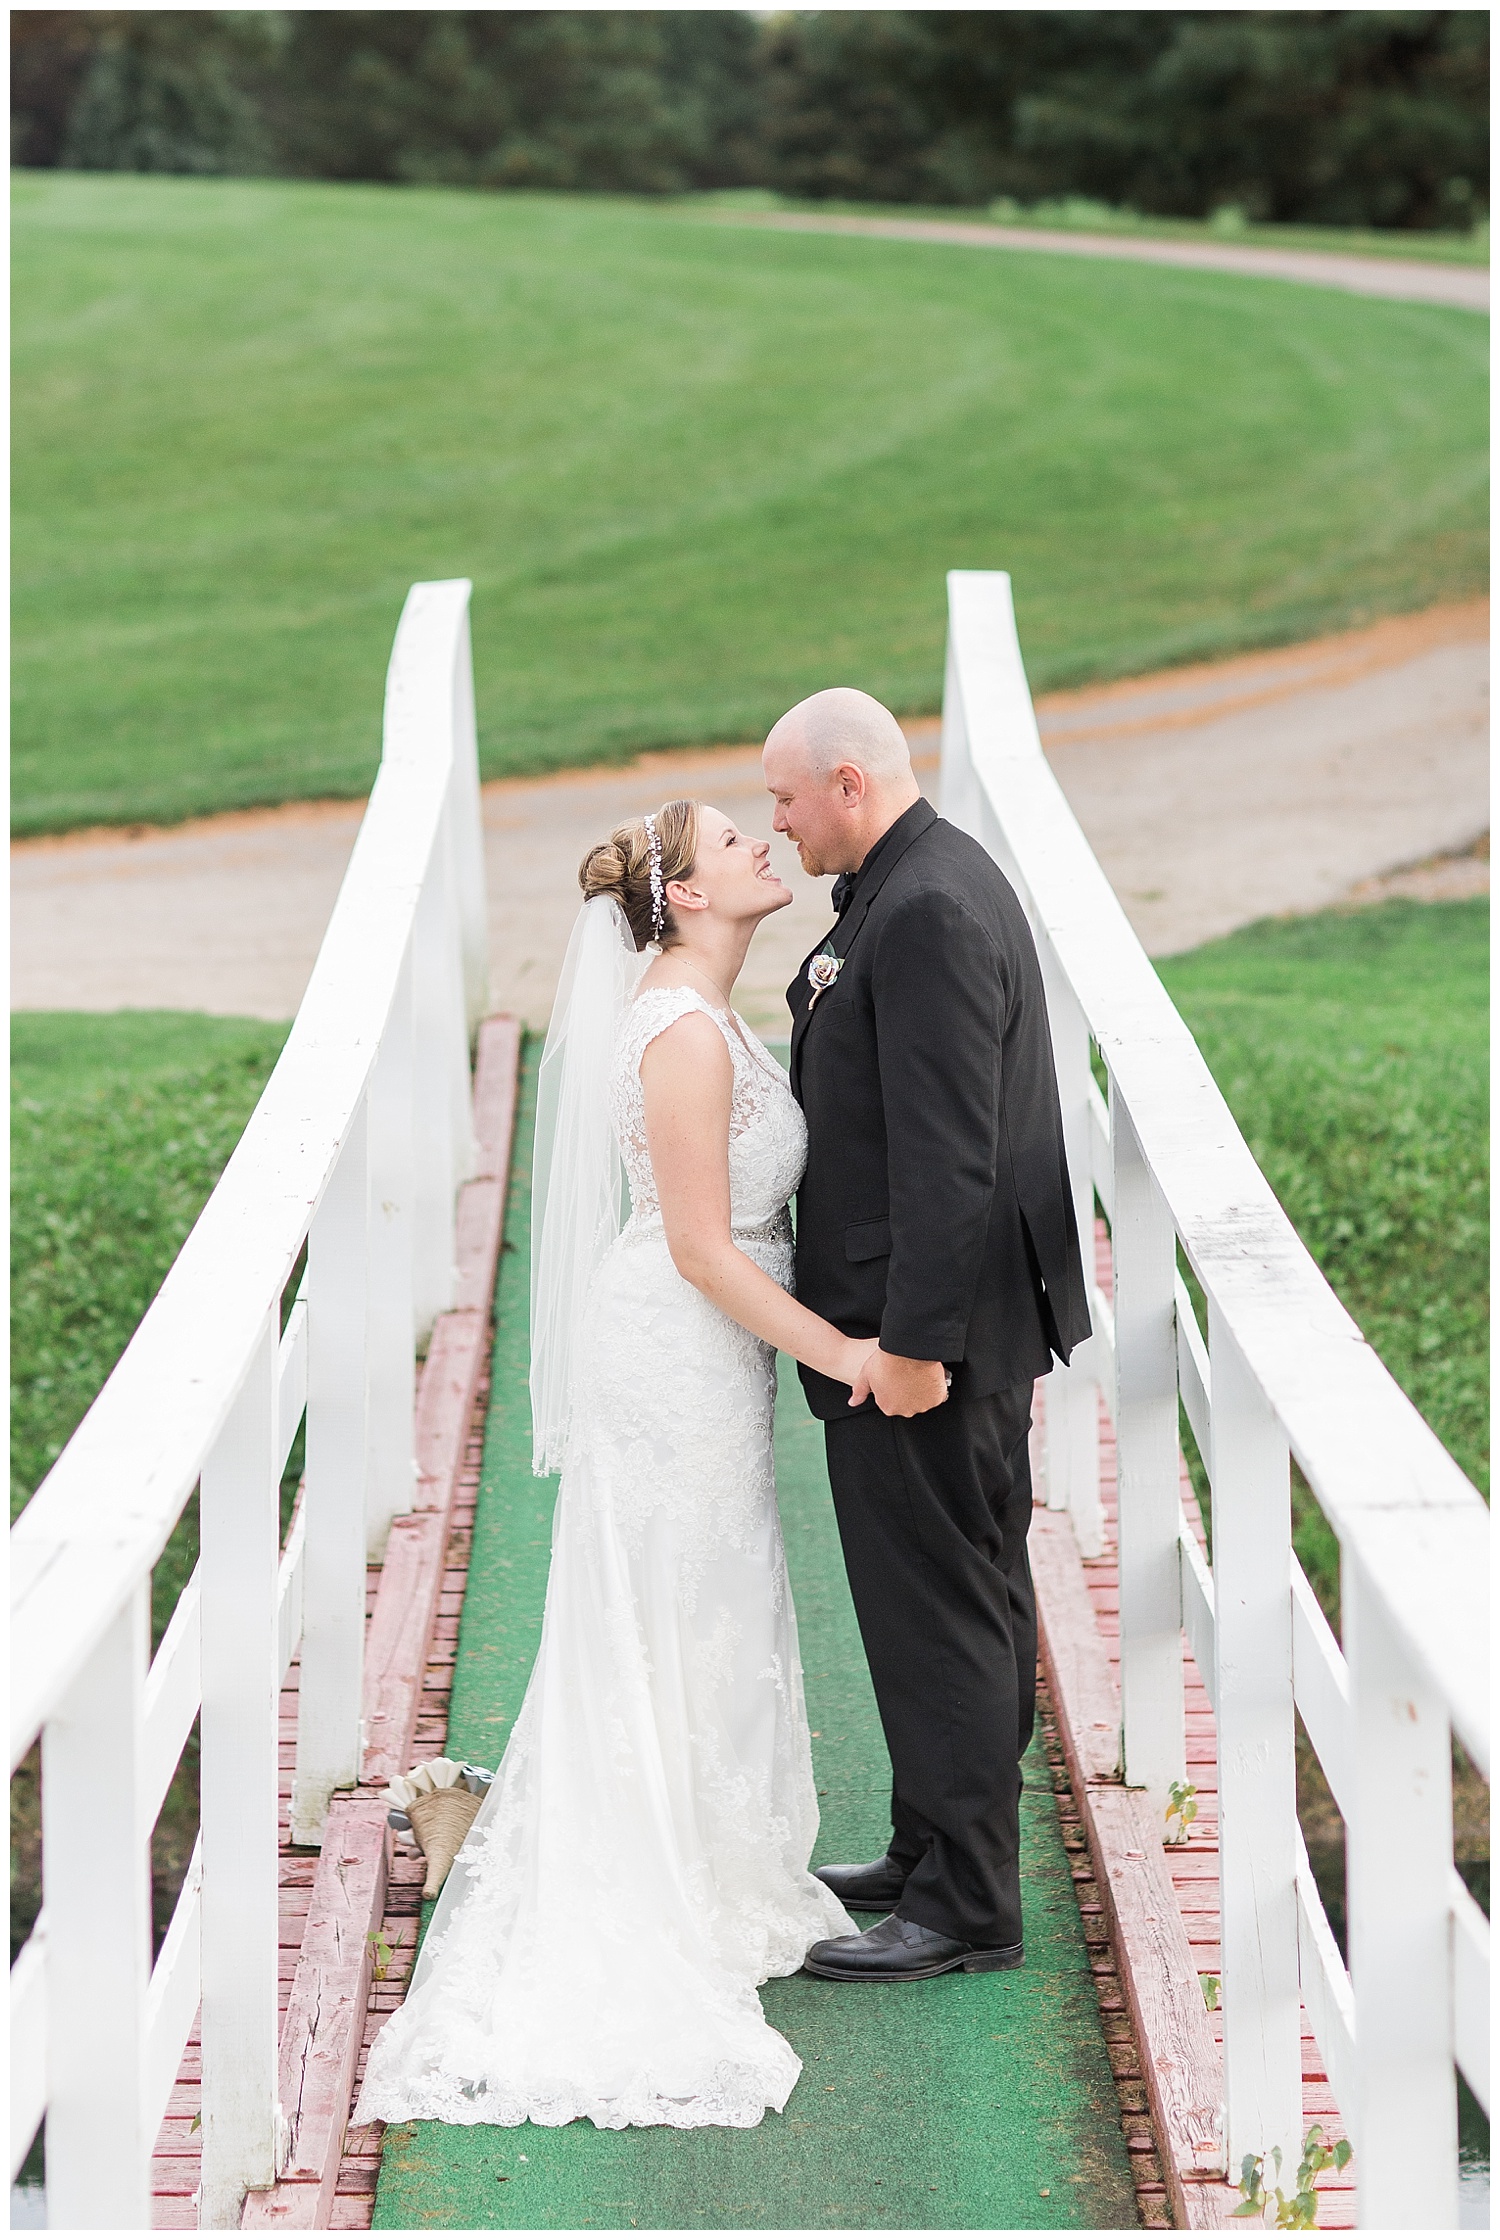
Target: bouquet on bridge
x,y
437,1802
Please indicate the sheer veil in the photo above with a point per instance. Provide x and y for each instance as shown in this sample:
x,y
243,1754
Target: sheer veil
x,y
579,1188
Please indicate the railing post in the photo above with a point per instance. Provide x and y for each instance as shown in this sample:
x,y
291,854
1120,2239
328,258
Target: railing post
x,y
391,1461
1072,1418
468,834
458,1038
239,1510
333,1592
1252,1569
1400,1859
1150,1504
97,1876
434,967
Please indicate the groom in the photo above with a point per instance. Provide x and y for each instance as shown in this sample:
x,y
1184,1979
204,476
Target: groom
x,y
936,1216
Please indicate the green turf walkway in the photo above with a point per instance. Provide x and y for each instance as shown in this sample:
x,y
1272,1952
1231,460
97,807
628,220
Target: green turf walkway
x,y
971,2101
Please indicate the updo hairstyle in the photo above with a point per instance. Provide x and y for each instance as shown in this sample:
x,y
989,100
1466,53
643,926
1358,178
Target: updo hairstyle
x,y
621,866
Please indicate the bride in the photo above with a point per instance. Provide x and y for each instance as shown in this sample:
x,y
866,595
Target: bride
x,y
640,1864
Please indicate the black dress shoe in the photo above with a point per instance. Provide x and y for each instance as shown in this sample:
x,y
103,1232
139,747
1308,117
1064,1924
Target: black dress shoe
x,y
897,1951
872,1889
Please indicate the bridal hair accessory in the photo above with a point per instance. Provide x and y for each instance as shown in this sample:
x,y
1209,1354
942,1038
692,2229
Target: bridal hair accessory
x,y
438,1801
658,890
580,1196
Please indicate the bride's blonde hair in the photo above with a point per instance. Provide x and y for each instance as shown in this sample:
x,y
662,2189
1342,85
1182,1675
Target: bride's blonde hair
x,y
621,866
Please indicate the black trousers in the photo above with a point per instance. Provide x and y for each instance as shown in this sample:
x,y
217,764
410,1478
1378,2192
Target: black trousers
x,y
933,1512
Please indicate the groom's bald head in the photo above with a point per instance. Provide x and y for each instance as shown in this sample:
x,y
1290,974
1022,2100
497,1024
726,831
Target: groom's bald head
x,y
840,770
841,725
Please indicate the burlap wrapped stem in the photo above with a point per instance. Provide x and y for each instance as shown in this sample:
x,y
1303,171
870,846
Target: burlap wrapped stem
x,y
440,1822
438,1800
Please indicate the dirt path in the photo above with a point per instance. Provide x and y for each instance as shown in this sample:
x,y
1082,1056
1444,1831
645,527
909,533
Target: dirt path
x,y
1212,795
1398,279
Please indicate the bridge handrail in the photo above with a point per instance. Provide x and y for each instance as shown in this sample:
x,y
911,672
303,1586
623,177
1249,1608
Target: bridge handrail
x,y
1282,1371
355,1151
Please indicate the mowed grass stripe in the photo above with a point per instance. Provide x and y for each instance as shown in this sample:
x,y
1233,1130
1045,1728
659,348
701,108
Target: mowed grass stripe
x,y
695,471
971,2102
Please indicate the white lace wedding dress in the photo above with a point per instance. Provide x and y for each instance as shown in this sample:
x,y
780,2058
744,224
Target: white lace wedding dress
x,y
640,1863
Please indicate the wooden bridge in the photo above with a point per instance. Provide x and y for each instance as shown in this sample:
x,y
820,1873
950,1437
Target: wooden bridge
x,y
343,1275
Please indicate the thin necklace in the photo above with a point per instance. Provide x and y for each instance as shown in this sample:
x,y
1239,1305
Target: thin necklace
x,y
718,991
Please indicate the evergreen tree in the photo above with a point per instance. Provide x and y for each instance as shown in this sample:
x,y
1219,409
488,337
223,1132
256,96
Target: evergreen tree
x,y
1332,116
174,92
645,103
50,52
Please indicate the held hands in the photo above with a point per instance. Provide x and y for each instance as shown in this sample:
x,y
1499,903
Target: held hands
x,y
858,1355
900,1387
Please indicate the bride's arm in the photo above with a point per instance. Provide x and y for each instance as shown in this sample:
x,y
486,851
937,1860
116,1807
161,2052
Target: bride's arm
x,y
688,1080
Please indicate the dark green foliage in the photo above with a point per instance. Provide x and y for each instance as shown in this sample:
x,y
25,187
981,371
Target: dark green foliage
x,y
50,53
173,93
145,90
641,102
617,100
1330,116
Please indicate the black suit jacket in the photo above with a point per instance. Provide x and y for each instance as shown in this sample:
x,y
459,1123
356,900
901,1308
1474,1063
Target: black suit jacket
x,y
936,1212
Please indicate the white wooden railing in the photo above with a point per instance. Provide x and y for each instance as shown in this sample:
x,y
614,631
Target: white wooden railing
x,y
356,1150
1282,1371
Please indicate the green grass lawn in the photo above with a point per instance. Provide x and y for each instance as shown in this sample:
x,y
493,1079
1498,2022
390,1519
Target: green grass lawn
x,y
695,470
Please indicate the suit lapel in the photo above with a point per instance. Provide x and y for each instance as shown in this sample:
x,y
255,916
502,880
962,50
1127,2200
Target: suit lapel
x,y
798,996
844,934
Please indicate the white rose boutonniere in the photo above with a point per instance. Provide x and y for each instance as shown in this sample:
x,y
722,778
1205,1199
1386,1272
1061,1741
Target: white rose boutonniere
x,y
822,971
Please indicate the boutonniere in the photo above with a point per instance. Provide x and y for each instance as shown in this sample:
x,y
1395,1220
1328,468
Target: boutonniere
x,y
822,971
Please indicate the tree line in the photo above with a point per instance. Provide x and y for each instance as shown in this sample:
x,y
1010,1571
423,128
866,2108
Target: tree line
x,y
1325,116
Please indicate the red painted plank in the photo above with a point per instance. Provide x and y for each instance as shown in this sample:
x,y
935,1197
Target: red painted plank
x,y
396,1645
481,1209
497,1063
174,2213
353,2208
445,1401
1087,1698
294,2207
320,2037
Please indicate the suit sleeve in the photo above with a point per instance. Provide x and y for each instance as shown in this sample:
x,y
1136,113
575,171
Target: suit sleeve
x,y
939,991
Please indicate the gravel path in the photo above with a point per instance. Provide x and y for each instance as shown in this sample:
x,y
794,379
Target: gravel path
x,y
1212,795
1399,279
